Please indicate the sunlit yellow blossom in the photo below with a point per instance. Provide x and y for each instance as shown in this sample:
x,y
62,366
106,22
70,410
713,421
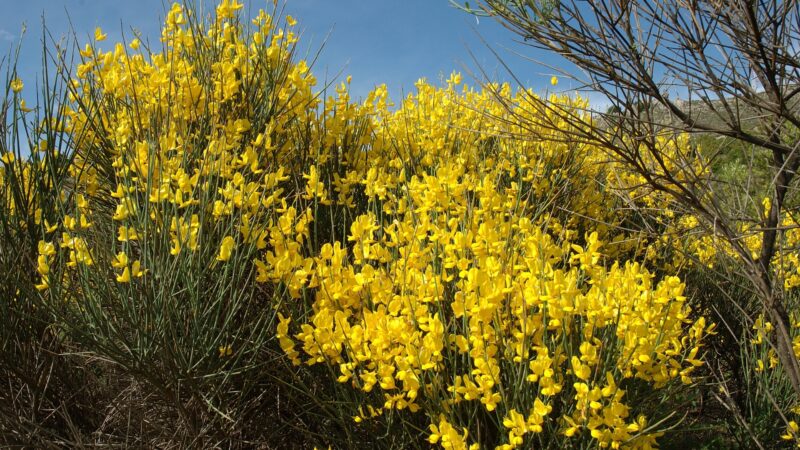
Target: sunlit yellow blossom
x,y
792,431
227,8
16,85
125,276
225,248
126,234
120,260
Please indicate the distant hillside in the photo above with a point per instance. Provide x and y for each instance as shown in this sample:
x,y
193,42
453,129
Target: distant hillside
x,y
714,113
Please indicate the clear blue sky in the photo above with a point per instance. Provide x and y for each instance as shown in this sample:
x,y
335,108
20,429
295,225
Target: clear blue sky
x,y
380,41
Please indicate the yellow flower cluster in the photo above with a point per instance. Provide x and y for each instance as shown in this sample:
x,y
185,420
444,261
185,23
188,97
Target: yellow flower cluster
x,y
706,247
176,147
443,262
449,299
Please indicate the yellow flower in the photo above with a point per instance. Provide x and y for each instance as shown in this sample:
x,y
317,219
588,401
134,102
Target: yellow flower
x,y
23,107
455,78
225,249
136,269
225,350
227,9
99,35
16,85
582,371
126,234
45,284
120,261
554,80
792,431
125,277
46,248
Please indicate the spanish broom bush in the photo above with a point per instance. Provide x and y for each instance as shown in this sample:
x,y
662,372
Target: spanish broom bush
x,y
235,254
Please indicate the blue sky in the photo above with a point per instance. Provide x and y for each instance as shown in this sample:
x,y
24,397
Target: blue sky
x,y
381,41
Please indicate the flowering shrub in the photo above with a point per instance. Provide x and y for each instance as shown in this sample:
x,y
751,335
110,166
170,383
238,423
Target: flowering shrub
x,y
514,328
435,259
179,164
